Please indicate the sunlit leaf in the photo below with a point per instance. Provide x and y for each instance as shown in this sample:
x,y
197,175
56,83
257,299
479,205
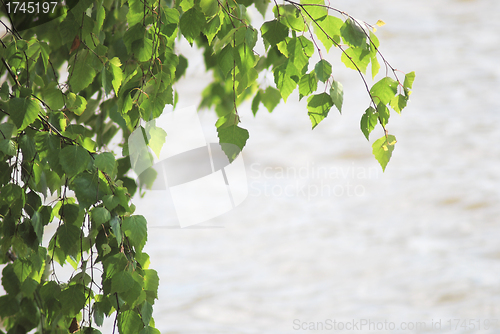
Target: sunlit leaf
x,y
318,107
352,34
328,31
398,103
368,121
337,94
209,7
356,58
409,78
323,70
384,90
129,322
308,84
382,149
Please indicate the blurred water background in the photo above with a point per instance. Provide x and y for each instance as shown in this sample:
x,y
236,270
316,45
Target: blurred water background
x,y
418,243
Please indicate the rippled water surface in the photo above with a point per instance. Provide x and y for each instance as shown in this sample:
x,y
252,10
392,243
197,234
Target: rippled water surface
x,y
419,242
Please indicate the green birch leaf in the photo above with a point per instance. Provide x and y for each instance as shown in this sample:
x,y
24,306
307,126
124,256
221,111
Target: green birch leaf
x,y
409,78
374,44
261,6
151,280
9,306
114,264
115,65
73,159
149,330
296,53
181,67
135,12
143,49
398,103
45,52
368,121
270,98
212,27
76,104
27,145
67,238
383,113
290,16
153,106
256,102
147,314
318,106
4,91
100,215
10,280
22,269
186,5
133,34
110,201
337,94
382,150
225,59
23,111
235,137
105,162
352,34
116,228
323,70
316,12
7,131
308,84
170,20
384,90
87,188
191,23
71,214
286,78
29,286
82,73
37,222
135,229
328,31
72,299
8,147
273,32
121,282
129,322
209,7
251,37
53,96
100,16
355,58
156,138
375,66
